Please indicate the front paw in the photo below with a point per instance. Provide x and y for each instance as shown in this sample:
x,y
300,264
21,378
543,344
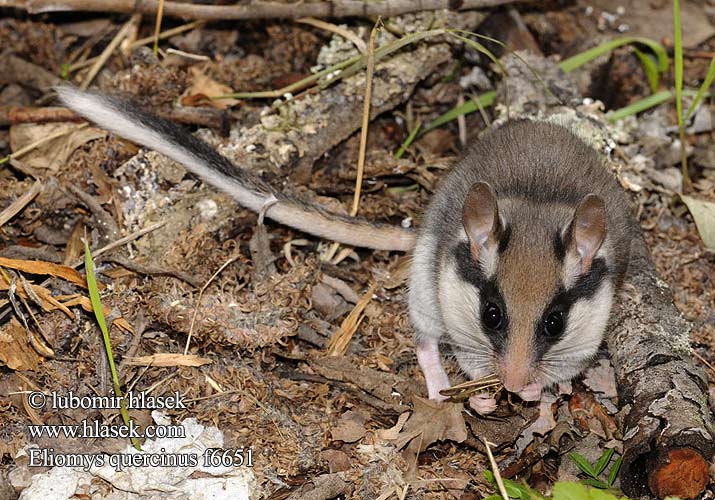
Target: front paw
x,y
483,403
531,392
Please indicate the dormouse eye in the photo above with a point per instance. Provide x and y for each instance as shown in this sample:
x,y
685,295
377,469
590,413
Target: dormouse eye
x,y
554,324
492,316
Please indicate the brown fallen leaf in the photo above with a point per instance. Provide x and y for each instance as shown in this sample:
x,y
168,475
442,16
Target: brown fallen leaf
x,y
46,268
205,87
430,422
601,378
350,428
338,461
15,350
53,154
168,359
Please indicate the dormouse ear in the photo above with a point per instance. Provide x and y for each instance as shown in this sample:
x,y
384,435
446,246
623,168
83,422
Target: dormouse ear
x,y
480,217
587,230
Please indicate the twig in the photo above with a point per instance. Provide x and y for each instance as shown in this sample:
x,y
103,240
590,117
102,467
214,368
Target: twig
x,y
188,55
256,10
124,241
345,33
13,115
142,41
153,270
495,470
108,50
157,27
17,205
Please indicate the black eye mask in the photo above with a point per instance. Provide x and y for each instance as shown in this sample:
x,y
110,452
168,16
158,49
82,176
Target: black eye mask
x,y
585,287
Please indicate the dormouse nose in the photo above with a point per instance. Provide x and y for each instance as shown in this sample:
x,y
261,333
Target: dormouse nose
x,y
514,376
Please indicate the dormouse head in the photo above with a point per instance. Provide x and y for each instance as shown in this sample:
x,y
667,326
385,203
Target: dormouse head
x,y
534,288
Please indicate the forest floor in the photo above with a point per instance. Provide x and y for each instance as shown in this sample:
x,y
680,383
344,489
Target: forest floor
x,y
259,336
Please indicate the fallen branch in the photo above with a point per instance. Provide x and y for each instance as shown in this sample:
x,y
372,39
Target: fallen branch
x,y
255,10
668,427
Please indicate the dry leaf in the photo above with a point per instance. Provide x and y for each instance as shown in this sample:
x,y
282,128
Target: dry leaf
x,y
168,359
53,154
338,461
46,268
541,426
602,378
202,85
432,421
15,350
703,213
351,427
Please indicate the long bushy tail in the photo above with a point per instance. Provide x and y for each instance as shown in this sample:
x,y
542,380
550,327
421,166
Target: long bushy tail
x,y
129,121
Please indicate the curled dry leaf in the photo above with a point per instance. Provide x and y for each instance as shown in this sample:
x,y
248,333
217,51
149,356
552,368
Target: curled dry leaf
x,y
15,350
430,422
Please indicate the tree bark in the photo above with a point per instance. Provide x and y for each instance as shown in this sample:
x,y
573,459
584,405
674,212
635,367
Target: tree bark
x,y
255,10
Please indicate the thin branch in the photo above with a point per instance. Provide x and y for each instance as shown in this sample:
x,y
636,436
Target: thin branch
x,y
257,10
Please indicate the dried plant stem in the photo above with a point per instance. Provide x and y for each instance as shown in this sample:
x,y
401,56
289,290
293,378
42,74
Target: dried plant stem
x,y
142,41
16,206
343,32
157,26
365,118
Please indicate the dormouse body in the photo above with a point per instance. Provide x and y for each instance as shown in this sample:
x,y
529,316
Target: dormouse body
x,y
517,261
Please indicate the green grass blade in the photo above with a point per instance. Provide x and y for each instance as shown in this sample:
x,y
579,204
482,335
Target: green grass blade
x,y
649,68
479,48
613,473
583,464
603,461
102,322
596,483
678,69
408,142
703,88
485,99
640,105
678,61
579,60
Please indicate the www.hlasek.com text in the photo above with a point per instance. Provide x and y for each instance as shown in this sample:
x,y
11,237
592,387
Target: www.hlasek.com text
x,y
95,430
